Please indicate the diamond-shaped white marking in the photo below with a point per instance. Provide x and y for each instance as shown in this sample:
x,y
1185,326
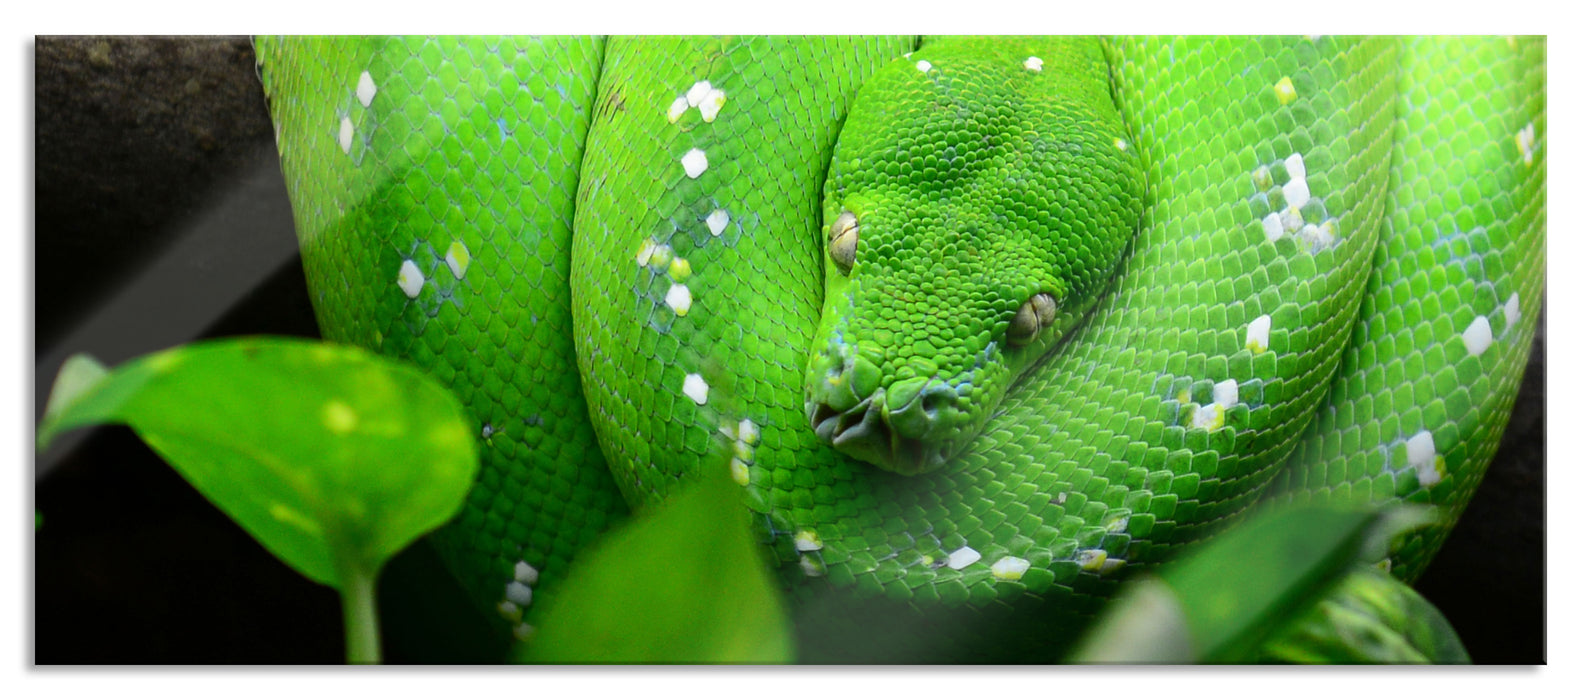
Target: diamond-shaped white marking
x,y
410,279
711,105
518,592
679,299
1420,453
717,220
696,389
1272,227
1226,393
346,135
1478,336
1258,333
1010,568
697,92
963,557
366,89
695,162
1295,167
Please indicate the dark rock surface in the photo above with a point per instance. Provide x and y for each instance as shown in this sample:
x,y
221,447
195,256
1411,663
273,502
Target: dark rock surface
x,y
143,141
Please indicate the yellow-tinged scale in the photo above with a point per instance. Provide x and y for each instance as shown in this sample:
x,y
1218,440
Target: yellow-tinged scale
x,y
1285,90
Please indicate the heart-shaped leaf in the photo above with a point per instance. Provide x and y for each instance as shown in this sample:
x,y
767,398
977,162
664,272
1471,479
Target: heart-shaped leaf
x,y
332,457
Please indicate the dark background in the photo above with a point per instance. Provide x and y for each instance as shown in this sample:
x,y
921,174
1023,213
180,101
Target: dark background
x,y
161,217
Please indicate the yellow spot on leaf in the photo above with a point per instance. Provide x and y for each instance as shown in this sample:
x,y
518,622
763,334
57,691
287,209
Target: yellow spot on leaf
x,y
339,417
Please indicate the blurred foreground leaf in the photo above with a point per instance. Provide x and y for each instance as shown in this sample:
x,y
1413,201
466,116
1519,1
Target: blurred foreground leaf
x,y
1371,618
333,458
1221,601
681,583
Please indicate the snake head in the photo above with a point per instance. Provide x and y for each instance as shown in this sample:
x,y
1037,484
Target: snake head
x,y
974,212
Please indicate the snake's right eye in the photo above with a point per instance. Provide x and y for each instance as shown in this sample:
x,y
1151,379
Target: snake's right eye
x,y
843,241
1033,317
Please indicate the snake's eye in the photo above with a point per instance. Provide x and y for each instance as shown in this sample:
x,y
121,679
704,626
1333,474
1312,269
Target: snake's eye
x,y
843,241
1035,315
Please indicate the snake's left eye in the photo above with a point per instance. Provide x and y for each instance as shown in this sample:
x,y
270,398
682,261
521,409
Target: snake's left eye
x,y
1036,314
843,241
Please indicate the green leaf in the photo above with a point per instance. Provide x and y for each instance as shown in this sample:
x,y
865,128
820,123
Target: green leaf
x,y
1225,597
682,583
333,458
1371,618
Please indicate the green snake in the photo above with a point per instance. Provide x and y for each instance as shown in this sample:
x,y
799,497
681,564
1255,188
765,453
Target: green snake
x,y
983,324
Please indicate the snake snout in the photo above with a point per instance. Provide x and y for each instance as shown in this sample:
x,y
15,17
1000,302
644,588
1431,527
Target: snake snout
x,y
895,428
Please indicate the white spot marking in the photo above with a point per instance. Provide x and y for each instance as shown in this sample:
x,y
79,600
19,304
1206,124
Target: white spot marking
x,y
679,299
1258,334
924,66
1420,453
695,162
366,89
522,632
519,593
1295,167
646,252
1226,393
1478,336
1120,143
1010,568
1513,310
1296,193
711,105
526,573
717,220
1291,219
1317,237
808,541
739,472
346,135
696,389
677,108
963,557
1272,228
410,279
1208,417
1524,142
747,432
1034,64
697,92
1060,498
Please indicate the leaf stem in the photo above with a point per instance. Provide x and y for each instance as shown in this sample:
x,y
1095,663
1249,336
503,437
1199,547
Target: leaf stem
x,y
362,618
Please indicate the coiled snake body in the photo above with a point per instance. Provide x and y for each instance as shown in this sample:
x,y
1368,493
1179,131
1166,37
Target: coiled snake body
x,y
826,254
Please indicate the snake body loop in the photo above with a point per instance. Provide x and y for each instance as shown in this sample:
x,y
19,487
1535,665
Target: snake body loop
x,y
628,254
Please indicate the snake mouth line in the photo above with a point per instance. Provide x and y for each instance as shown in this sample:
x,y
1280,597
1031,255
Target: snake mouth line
x,y
864,433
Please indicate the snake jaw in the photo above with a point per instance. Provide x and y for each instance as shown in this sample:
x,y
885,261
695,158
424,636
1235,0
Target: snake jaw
x,y
876,433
